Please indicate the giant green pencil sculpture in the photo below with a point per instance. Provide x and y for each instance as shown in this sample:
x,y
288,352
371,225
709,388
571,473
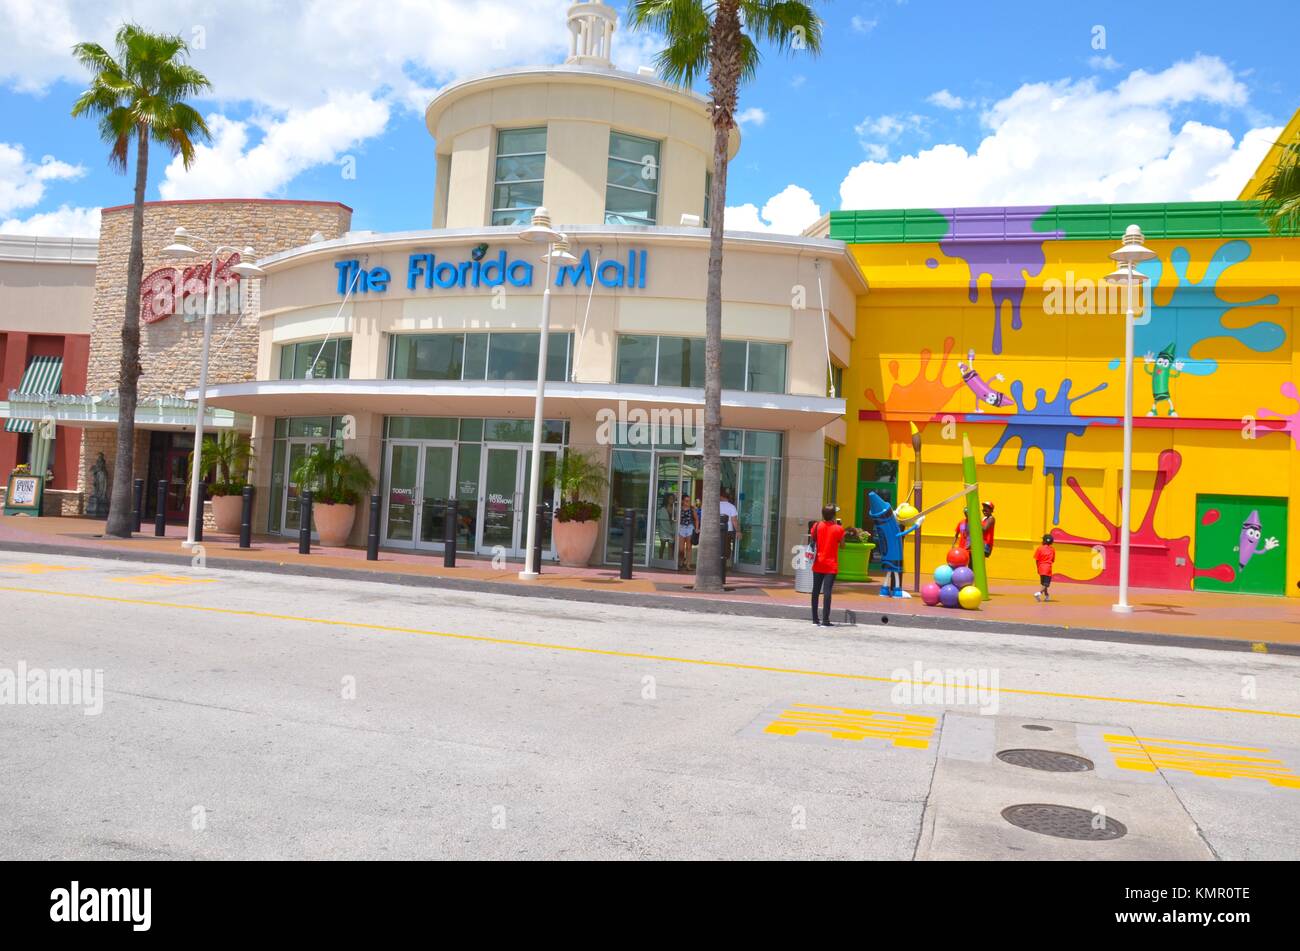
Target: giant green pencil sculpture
x,y
974,523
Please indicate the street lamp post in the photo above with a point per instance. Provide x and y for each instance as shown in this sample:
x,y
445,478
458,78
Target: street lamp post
x,y
1128,256
184,247
557,252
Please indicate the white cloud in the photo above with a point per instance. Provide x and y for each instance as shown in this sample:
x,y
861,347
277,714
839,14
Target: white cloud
x,y
789,211
876,132
66,222
751,116
22,182
230,167
1072,141
946,100
1106,62
862,24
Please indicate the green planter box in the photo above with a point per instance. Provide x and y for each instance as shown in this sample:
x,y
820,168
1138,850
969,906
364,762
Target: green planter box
x,y
854,560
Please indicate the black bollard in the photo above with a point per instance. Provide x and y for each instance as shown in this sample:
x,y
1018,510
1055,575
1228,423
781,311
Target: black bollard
x,y
246,518
137,499
198,520
304,523
629,544
540,515
449,518
723,551
160,513
372,537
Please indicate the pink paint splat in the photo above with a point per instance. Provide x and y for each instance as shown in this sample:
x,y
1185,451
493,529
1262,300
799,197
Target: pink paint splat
x,y
1210,517
1154,561
1292,419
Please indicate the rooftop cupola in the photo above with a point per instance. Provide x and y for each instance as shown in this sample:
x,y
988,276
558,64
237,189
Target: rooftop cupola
x,y
591,33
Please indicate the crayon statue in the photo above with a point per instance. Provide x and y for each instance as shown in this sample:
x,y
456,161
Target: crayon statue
x,y
1248,545
984,394
1162,367
888,535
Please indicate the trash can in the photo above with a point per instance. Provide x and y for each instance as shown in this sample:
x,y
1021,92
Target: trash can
x,y
803,573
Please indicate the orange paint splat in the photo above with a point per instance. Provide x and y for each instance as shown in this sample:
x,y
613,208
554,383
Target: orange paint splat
x,y
918,398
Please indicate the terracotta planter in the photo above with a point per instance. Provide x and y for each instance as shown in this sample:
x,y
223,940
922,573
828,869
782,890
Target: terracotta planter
x,y
227,510
333,523
575,541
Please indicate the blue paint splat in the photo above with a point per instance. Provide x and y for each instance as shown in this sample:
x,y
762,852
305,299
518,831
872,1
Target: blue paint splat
x,y
1195,312
1046,429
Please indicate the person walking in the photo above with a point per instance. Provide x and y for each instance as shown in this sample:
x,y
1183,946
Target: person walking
x,y
727,509
827,536
688,532
666,523
1044,559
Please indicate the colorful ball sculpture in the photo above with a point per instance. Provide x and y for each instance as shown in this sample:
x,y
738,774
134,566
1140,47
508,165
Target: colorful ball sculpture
x,y
970,597
930,593
942,575
962,576
949,596
957,557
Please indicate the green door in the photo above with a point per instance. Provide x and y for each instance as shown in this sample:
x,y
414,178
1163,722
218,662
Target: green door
x,y
1243,533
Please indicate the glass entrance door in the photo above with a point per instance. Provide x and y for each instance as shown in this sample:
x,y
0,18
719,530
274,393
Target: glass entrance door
x,y
503,504
436,489
419,483
751,501
298,450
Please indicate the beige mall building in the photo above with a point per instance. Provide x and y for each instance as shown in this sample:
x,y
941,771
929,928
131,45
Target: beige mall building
x,y
418,350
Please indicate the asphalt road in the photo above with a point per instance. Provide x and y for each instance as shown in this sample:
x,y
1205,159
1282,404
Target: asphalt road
x,y
257,716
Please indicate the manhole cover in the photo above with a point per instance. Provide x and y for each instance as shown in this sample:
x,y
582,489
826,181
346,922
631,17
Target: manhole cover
x,y
1064,822
1046,760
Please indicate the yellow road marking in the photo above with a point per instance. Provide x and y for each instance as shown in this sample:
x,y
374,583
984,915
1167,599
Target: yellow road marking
x,y
631,655
1147,754
164,580
910,730
36,568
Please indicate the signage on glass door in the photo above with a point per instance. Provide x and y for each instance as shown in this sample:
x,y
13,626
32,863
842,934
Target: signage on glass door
x,y
431,272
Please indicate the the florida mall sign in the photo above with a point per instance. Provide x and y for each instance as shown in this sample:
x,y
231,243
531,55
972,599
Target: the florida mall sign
x,y
431,271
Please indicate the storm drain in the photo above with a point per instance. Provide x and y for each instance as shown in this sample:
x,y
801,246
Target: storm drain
x,y
1037,726
1064,822
1049,761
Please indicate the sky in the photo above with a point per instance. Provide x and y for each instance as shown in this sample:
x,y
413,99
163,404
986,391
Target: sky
x,y
911,103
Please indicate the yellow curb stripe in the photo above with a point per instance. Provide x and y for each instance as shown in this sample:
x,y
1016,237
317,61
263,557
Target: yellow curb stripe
x,y
633,655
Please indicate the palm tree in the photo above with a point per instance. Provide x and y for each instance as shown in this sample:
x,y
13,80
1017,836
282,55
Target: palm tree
x,y
138,95
1280,193
720,37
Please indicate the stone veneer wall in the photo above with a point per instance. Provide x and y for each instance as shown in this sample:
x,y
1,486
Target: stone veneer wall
x,y
170,348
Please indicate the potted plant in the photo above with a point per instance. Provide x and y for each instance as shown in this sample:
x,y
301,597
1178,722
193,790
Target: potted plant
x,y
577,521
337,481
855,554
229,458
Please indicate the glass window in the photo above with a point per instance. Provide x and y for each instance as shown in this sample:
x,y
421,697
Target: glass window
x,y
835,382
629,488
520,168
512,357
317,359
830,477
636,360
632,183
733,364
761,443
428,357
422,427
681,361
766,368
476,351
471,430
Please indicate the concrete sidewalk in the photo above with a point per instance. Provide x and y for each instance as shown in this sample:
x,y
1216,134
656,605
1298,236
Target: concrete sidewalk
x,y
1174,618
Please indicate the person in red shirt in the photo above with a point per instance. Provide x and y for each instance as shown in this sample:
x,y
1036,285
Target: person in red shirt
x,y
827,536
1044,559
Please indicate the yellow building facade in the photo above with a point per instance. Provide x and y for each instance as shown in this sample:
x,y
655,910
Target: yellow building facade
x,y
997,323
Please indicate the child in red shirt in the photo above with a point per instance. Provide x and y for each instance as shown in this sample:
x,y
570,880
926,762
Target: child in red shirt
x,y
1044,559
827,536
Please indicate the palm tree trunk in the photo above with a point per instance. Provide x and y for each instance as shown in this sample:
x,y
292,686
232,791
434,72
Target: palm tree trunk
x,y
724,80
120,522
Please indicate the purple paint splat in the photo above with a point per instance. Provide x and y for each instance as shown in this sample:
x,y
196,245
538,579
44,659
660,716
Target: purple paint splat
x,y
1002,243
931,263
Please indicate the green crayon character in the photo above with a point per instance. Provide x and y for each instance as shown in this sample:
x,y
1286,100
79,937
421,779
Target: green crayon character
x,y
1162,368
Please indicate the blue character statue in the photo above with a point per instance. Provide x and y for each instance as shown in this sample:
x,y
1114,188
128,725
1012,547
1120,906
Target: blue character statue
x,y
888,535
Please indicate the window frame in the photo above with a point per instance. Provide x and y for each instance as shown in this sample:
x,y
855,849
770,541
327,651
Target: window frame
x,y
610,158
493,210
658,338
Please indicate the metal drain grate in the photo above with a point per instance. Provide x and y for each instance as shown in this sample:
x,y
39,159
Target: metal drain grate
x,y
1048,761
1064,822
1037,726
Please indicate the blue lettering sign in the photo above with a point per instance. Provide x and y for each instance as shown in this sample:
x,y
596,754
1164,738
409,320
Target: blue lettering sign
x,y
426,268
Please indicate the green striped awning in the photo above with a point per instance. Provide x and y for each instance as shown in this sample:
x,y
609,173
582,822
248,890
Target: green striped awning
x,y
40,379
